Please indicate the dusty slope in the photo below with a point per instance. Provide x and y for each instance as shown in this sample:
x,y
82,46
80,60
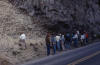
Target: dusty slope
x,y
12,23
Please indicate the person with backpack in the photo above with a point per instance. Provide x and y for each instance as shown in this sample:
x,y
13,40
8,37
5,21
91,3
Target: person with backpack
x,y
67,40
48,43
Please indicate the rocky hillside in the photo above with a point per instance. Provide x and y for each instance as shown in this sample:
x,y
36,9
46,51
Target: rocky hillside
x,y
64,14
12,23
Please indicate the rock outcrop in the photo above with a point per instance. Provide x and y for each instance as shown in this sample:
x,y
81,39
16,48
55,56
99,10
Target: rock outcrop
x,y
64,14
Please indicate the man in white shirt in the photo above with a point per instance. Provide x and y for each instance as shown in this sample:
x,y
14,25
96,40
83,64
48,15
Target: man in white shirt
x,y
22,39
78,32
22,36
58,42
75,38
83,39
57,38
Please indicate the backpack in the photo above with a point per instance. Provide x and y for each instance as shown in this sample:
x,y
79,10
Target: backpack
x,y
67,37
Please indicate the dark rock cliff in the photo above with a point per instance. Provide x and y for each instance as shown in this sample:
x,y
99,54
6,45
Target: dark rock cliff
x,y
63,15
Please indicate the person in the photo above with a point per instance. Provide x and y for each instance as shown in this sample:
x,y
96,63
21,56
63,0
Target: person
x,y
58,42
78,32
82,39
75,39
22,40
67,40
87,36
47,39
53,41
62,42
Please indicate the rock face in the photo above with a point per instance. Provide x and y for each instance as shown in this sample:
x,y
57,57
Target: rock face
x,y
64,14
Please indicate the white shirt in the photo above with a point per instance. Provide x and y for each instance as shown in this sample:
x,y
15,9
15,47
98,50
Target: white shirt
x,y
75,36
82,37
57,38
23,36
62,37
78,32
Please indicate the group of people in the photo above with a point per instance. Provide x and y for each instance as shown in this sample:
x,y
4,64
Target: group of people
x,y
59,42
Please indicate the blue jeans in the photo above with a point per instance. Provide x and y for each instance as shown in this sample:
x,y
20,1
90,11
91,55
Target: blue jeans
x,y
67,44
54,48
58,45
48,49
86,40
76,43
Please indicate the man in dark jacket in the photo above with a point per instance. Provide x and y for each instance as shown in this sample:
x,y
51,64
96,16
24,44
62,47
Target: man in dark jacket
x,y
47,39
67,40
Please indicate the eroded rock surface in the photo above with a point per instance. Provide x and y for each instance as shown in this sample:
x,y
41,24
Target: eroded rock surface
x,y
64,14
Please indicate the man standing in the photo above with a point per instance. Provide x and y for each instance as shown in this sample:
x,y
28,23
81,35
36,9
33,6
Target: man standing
x,y
53,41
75,38
87,36
22,40
58,42
68,41
62,42
47,39
82,39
